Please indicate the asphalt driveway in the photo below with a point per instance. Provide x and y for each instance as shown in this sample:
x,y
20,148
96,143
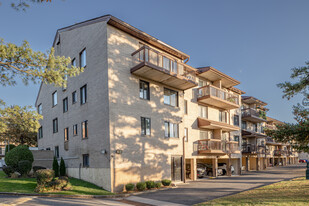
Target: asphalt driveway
x,y
208,189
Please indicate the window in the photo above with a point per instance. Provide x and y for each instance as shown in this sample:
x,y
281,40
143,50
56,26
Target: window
x,y
74,97
144,90
171,129
66,134
85,129
236,120
170,97
236,138
65,105
255,127
222,116
203,111
40,109
55,125
206,134
83,94
48,148
166,63
174,67
74,129
243,124
82,58
40,132
57,151
186,134
145,126
55,98
85,160
186,107
74,62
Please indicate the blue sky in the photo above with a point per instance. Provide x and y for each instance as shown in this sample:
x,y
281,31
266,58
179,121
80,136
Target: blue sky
x,y
255,42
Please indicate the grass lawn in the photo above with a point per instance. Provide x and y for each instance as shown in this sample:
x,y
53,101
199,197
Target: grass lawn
x,y
293,192
28,185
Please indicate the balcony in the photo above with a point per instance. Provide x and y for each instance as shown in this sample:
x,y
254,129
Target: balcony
x,y
153,65
251,115
249,148
232,147
217,97
280,152
210,147
211,124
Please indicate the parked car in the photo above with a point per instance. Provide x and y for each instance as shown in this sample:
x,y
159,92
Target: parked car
x,y
302,161
204,170
221,169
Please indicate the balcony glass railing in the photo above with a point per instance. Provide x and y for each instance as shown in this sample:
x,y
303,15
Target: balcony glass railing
x,y
251,112
209,144
158,59
214,91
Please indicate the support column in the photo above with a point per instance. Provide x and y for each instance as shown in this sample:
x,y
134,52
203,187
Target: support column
x,y
257,163
215,167
193,169
229,172
247,164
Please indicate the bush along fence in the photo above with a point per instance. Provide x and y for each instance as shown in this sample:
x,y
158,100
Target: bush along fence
x,y
142,186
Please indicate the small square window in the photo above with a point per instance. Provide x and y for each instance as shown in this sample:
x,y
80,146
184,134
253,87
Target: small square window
x,y
85,160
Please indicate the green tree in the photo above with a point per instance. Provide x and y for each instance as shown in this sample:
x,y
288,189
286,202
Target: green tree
x,y
56,166
62,168
21,125
295,133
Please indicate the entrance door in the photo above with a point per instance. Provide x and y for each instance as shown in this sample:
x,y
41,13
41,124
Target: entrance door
x,y
176,168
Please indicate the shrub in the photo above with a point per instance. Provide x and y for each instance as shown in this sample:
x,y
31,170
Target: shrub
x,y
17,154
150,184
158,185
58,184
141,186
129,187
15,175
56,167
166,182
9,147
24,167
36,168
62,167
8,170
45,176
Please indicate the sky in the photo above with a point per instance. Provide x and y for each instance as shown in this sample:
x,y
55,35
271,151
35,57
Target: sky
x,y
256,42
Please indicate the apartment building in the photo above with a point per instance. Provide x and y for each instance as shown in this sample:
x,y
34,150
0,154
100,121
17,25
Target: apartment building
x,y
278,153
138,112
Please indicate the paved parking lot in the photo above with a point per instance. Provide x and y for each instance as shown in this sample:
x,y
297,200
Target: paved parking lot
x,y
185,194
208,189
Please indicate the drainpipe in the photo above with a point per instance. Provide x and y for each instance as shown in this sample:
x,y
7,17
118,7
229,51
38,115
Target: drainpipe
x,y
184,160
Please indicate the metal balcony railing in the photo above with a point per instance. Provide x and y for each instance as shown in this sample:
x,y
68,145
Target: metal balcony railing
x,y
217,92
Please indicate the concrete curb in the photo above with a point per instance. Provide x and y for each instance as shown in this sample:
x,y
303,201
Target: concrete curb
x,y
81,196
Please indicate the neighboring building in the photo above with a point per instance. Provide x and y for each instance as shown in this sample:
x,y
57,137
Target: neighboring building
x,y
138,112
254,139
279,153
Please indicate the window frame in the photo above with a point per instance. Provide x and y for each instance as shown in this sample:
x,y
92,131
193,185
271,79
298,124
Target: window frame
x,y
169,97
236,115
80,58
144,126
55,126
185,107
88,160
66,134
186,134
74,97
65,103
75,128
221,116
56,154
53,98
168,124
73,62
40,132
84,133
142,84
201,110
40,108
83,88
